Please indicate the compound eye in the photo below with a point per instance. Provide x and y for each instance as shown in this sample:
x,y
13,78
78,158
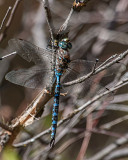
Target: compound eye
x,y
63,45
69,45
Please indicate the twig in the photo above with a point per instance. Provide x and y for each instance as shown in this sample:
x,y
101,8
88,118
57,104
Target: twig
x,y
5,127
121,141
109,59
2,23
13,53
28,116
118,154
117,107
81,79
65,24
108,133
48,18
36,105
120,98
86,138
69,142
113,123
2,35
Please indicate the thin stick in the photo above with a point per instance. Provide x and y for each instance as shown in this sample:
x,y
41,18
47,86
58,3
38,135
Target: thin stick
x,y
48,18
1,58
81,79
87,137
65,24
7,128
2,23
113,56
120,141
9,20
113,123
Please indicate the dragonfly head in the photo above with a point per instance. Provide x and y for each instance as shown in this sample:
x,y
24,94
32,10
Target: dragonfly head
x,y
65,44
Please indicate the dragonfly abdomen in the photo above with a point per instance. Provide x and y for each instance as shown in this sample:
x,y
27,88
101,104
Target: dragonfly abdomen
x,y
61,65
55,108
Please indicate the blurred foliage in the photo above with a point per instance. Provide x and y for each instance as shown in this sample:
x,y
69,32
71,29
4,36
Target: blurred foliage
x,y
10,154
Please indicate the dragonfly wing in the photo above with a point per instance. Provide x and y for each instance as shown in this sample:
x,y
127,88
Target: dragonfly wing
x,y
77,68
34,77
95,84
29,52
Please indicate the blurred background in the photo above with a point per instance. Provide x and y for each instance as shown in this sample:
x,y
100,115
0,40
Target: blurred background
x,y
99,30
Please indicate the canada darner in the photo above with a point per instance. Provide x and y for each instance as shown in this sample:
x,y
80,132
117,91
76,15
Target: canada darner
x,y
45,73
34,77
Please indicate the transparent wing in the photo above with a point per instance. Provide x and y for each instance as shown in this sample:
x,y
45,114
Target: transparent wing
x,y
29,52
34,77
78,68
93,85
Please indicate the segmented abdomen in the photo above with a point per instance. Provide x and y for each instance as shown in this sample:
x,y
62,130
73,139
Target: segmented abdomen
x,y
55,108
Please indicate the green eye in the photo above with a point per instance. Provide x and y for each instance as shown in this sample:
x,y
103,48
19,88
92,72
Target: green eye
x,y
63,45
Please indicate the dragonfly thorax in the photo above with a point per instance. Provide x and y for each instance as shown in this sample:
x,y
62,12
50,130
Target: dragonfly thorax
x,y
63,60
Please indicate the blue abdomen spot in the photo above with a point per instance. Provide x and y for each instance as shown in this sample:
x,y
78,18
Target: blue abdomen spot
x,y
56,95
54,122
55,114
53,128
52,134
56,105
58,86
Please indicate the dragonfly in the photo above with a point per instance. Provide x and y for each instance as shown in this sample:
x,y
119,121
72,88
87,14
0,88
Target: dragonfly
x,y
79,4
46,72
37,75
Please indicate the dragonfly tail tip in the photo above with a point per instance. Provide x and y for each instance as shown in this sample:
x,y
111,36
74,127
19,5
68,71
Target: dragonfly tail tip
x,y
52,142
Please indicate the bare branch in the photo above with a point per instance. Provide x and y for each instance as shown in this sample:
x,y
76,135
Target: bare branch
x,y
113,123
81,79
2,23
121,141
48,17
2,35
87,137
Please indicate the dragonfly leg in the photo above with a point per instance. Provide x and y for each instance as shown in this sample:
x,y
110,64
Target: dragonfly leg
x,y
63,94
1,58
